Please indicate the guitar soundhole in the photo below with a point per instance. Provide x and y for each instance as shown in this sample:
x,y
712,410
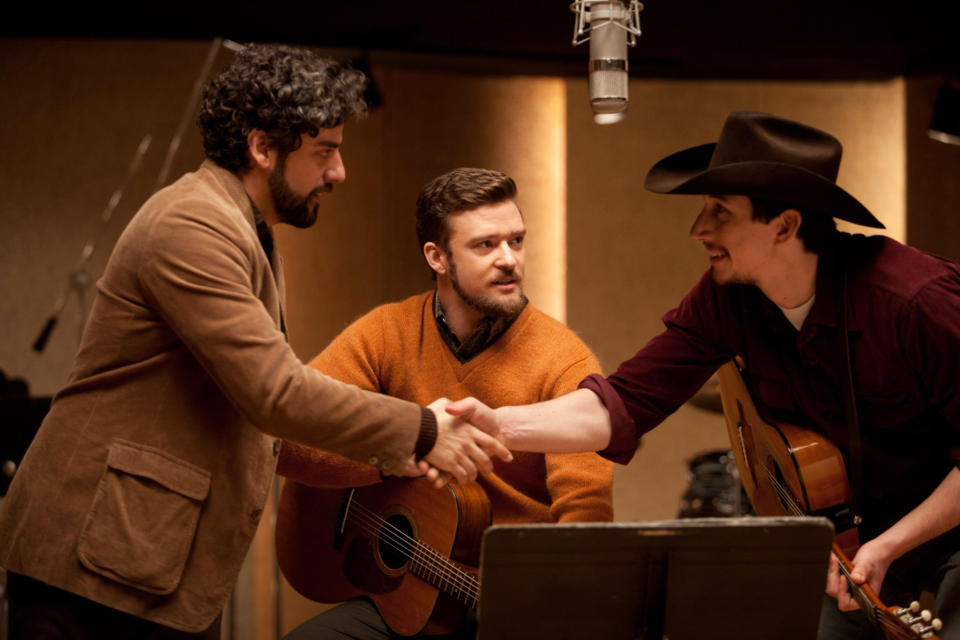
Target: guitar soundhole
x,y
395,542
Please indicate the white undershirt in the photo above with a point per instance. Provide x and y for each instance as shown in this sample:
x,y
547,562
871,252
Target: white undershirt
x,y
797,315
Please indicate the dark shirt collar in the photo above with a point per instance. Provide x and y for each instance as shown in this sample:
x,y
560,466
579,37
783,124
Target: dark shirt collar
x,y
830,273
487,331
829,283
263,232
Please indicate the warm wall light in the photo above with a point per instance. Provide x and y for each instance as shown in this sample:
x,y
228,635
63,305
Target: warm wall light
x,y
945,123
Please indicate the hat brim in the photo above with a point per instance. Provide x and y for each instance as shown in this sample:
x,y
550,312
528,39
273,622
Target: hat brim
x,y
688,172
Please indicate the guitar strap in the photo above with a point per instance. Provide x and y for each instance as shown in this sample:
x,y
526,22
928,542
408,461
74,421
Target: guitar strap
x,y
850,401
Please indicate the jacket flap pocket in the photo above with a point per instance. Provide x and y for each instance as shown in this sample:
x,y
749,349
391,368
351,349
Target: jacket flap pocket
x,y
144,517
157,465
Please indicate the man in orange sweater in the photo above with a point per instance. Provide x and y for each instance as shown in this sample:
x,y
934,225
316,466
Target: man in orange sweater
x,y
475,335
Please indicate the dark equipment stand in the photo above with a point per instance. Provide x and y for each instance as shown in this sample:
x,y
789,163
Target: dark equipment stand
x,y
737,578
20,417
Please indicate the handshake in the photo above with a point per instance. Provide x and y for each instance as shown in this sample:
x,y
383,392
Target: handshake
x,y
470,434
468,437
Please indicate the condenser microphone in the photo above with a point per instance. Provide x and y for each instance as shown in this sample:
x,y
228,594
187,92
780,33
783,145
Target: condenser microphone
x,y
610,26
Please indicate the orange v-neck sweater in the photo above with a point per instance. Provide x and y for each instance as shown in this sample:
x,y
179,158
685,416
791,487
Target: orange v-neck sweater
x,y
396,349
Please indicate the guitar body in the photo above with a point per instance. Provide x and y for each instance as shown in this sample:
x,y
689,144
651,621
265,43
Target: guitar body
x,y
792,471
785,469
335,544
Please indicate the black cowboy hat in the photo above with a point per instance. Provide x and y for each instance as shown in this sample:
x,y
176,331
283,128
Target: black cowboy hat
x,y
764,156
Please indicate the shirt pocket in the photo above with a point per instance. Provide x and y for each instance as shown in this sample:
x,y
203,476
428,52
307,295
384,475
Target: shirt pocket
x,y
143,519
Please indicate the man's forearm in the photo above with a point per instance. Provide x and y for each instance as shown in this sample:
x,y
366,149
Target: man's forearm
x,y
939,513
323,469
573,423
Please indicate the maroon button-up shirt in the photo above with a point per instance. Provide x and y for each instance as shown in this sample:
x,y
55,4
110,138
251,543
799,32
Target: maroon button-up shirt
x,y
904,326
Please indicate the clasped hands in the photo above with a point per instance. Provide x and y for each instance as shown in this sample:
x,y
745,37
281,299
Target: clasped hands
x,y
467,442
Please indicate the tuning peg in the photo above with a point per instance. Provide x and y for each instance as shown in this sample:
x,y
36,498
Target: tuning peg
x,y
935,625
914,606
906,615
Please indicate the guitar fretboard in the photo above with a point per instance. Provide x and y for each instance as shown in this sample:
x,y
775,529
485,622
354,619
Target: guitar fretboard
x,y
448,578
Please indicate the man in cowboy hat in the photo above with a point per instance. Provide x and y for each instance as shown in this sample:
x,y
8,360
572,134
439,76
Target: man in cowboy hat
x,y
790,295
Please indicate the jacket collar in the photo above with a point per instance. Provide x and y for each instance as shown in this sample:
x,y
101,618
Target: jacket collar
x,y
234,188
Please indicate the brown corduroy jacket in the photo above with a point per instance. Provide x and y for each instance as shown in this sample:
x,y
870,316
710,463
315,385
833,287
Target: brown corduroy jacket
x,y
145,484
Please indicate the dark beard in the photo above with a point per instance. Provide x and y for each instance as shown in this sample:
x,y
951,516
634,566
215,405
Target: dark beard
x,y
489,308
732,280
291,208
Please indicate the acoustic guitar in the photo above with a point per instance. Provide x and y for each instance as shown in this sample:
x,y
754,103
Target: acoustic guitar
x,y
412,548
790,470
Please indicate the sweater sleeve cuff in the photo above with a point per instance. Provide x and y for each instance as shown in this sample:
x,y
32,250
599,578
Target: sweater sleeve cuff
x,y
428,433
623,430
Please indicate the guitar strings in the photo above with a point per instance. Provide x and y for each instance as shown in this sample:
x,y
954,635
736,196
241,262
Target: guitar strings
x,y
787,498
457,579
419,554
413,543
428,558
397,538
898,629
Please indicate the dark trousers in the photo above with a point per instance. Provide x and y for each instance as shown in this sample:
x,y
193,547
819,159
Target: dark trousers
x,y
41,612
358,619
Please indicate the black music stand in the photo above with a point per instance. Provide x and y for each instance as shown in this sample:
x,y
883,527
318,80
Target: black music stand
x,y
738,578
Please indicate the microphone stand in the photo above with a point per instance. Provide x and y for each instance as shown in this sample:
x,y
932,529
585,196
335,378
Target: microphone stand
x,y
185,118
79,279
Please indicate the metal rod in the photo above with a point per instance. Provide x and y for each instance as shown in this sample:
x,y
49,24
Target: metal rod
x,y
187,112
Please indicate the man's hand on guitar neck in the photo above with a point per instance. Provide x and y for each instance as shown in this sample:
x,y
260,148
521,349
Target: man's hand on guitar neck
x,y
462,450
938,513
868,566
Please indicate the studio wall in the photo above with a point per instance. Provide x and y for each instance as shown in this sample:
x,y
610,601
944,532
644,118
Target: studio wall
x,y
933,176
73,114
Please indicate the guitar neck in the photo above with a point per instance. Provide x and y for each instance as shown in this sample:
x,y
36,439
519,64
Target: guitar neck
x,y
895,623
447,577
869,602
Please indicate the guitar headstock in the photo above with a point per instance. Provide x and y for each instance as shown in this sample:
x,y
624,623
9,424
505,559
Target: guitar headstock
x,y
909,623
896,623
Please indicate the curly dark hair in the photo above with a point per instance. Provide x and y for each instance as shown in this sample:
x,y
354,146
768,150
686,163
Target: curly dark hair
x,y
283,91
459,190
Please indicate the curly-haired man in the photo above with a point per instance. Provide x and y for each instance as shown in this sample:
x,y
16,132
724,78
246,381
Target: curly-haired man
x,y
134,507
